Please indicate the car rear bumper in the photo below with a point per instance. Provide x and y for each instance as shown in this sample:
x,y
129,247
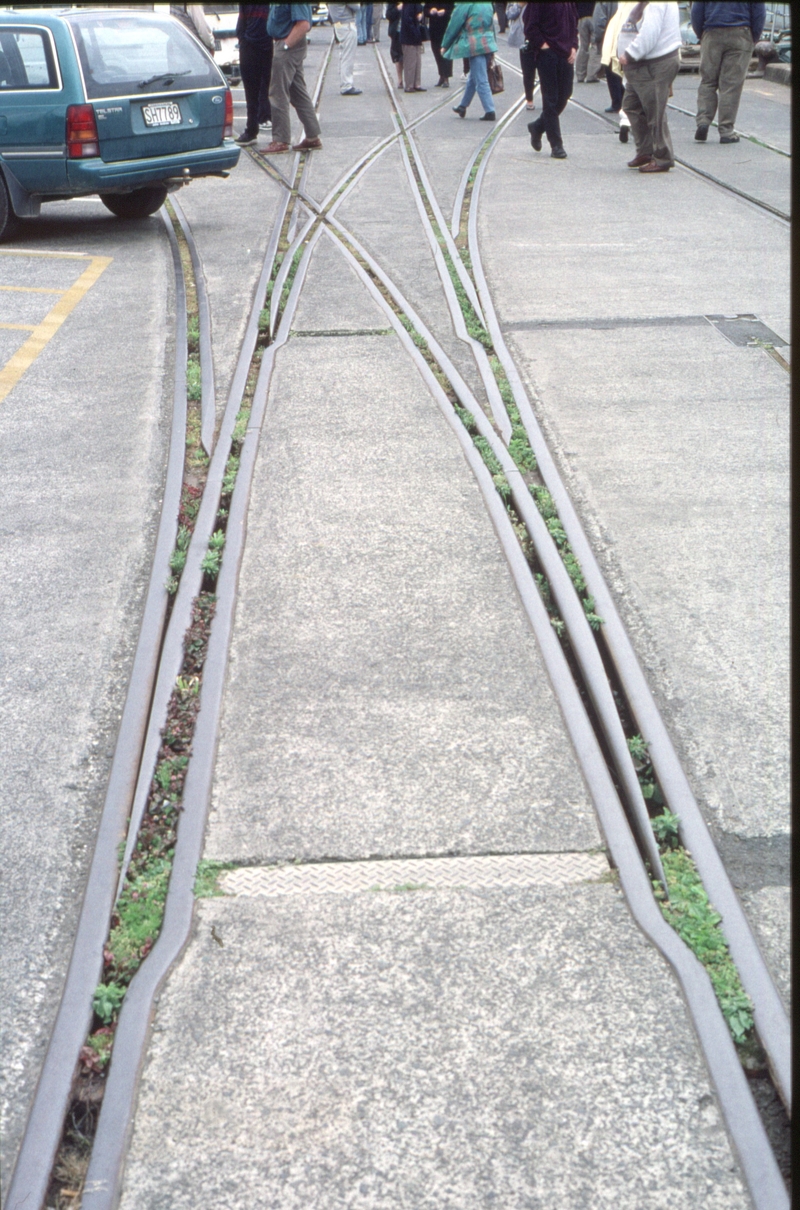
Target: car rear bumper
x,y
95,176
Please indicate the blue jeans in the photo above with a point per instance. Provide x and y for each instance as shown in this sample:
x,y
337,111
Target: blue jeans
x,y
478,82
361,24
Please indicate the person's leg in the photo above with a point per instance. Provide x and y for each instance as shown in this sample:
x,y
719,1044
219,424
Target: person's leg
x,y
250,67
361,24
368,20
465,63
584,35
347,37
409,66
396,55
264,107
733,70
282,75
634,110
502,19
594,68
471,89
527,61
663,74
480,73
298,94
418,68
711,45
615,89
547,65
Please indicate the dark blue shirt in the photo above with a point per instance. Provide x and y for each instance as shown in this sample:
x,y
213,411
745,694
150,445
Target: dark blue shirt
x,y
716,15
283,16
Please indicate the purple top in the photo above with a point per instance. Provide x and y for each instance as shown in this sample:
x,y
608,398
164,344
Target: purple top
x,y
555,24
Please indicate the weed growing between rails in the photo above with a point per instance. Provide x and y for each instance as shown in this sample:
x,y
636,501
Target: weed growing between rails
x,y
519,446
138,913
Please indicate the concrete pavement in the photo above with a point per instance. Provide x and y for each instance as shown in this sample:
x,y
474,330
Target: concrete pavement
x,y
84,435
674,442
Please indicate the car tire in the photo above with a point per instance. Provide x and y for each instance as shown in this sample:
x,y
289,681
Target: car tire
x,y
7,216
138,204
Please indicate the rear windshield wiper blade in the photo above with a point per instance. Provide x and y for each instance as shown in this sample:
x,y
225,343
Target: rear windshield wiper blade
x,y
167,76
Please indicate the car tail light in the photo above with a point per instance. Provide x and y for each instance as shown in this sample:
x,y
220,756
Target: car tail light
x,y
228,131
82,137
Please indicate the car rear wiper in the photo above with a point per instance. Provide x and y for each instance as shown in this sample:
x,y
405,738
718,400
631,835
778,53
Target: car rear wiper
x,y
168,77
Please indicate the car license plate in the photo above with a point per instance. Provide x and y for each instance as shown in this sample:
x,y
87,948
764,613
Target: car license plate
x,y
161,115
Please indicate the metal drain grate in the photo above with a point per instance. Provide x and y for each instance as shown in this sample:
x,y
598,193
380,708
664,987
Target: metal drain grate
x,y
743,330
435,873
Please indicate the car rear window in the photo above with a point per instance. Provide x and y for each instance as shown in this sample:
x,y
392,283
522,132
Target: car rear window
x,y
26,60
132,55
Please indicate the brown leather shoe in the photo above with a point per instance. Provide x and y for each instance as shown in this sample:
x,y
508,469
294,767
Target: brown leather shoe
x,y
274,148
654,166
638,160
308,145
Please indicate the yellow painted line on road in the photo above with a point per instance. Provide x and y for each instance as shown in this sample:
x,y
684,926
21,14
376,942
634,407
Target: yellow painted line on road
x,y
25,356
33,289
20,327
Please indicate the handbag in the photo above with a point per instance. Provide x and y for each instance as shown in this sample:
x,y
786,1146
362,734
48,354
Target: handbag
x,y
495,73
516,34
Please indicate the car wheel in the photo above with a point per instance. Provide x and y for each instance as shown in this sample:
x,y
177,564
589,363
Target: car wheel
x,y
7,216
137,204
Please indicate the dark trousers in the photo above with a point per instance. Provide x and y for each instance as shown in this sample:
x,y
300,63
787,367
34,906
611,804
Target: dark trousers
x,y
615,89
255,64
437,26
555,79
527,61
502,19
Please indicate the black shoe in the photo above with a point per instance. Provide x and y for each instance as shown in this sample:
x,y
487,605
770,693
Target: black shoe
x,y
623,133
611,109
729,138
701,134
489,116
536,136
558,153
351,92
460,110
245,139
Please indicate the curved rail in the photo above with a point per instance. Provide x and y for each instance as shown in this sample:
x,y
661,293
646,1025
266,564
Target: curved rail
x,y
40,1141
770,1015
208,397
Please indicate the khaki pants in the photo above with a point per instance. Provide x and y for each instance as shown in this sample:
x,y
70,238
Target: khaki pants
x,y
647,86
412,67
345,34
725,55
288,87
587,62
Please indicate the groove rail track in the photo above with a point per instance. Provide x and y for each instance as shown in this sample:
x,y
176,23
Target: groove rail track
x,y
613,783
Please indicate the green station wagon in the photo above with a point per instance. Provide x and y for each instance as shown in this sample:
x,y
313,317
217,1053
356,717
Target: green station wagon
x,y
128,105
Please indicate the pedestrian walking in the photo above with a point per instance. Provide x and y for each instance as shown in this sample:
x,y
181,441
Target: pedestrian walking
x,y
438,19
603,12
552,33
288,25
470,31
727,33
343,17
255,64
648,49
411,40
361,23
614,73
193,17
587,61
393,14
527,56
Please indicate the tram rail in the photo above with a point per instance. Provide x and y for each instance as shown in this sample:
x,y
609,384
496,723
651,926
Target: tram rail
x,y
158,660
